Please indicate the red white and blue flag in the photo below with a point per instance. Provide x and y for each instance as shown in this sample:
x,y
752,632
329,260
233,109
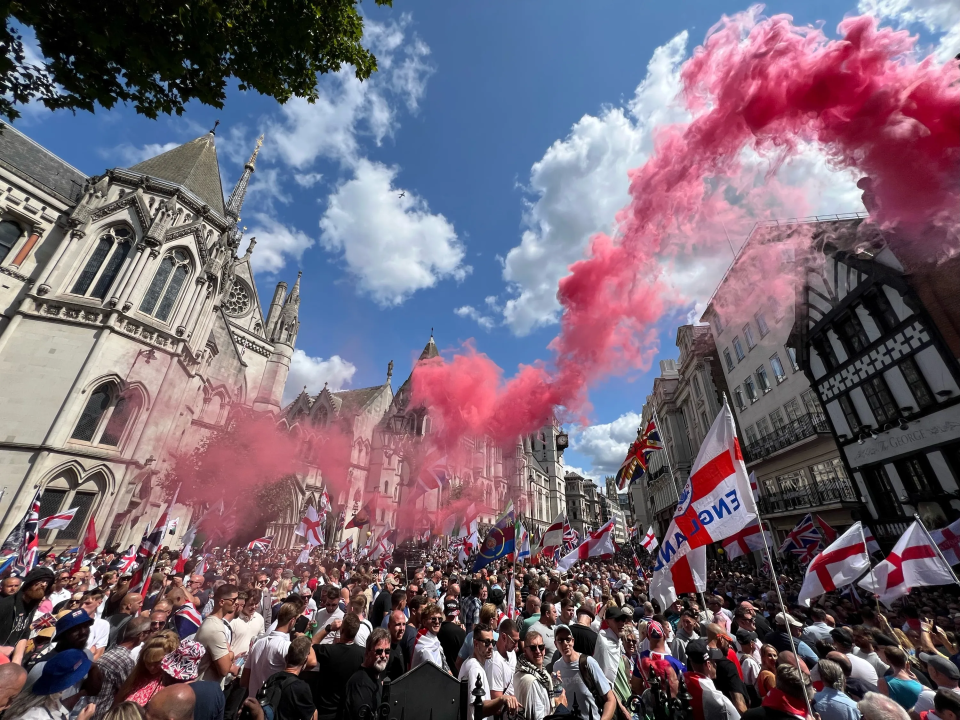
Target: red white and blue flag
x,y
124,564
433,476
634,465
19,550
260,544
715,504
804,541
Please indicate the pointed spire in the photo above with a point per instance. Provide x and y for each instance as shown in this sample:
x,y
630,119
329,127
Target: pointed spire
x,y
294,295
235,201
430,350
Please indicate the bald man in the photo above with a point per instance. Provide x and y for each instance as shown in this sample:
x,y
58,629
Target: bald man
x,y
130,606
12,679
174,702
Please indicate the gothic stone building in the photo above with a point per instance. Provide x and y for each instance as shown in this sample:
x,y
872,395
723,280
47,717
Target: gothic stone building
x,y
129,328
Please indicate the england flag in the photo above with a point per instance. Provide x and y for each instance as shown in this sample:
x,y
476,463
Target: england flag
x,y
746,541
948,539
597,544
649,542
59,520
844,560
311,527
913,562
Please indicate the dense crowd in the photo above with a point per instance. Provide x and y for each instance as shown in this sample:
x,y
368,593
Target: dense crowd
x,y
262,636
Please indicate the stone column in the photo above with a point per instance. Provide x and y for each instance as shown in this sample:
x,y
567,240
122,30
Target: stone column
x,y
136,279
186,310
27,247
42,282
128,272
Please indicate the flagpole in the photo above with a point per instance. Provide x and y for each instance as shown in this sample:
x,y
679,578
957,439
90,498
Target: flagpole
x,y
939,551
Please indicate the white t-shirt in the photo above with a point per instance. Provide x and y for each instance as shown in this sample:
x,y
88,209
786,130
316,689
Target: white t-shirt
x,y
267,656
99,634
607,654
575,687
363,632
245,631
862,670
500,671
471,670
322,619
532,696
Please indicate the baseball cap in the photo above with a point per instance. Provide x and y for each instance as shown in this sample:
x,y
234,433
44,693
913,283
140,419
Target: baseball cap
x,y
561,627
451,608
697,651
615,613
72,620
745,636
786,618
495,596
942,665
843,635
397,570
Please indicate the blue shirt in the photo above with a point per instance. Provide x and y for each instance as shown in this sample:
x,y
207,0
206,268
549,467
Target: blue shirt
x,y
834,705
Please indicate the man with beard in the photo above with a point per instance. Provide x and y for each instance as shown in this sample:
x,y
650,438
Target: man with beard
x,y
532,684
16,611
365,685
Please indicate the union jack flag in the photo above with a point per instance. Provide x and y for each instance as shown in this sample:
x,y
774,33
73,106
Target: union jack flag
x,y
19,550
804,540
260,544
433,476
43,621
571,538
125,562
634,465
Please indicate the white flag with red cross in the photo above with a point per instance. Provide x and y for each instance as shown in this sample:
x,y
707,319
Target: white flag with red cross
x,y
311,527
844,560
745,541
58,521
716,501
913,562
948,539
597,544
649,542
686,575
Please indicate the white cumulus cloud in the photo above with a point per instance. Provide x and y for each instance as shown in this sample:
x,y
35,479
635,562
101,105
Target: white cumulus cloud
x,y
276,242
468,311
312,372
606,444
940,17
133,154
392,245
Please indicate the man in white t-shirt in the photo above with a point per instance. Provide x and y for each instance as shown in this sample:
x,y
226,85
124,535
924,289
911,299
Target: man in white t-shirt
x,y
60,591
268,654
576,689
246,626
861,669
100,630
473,670
503,661
326,617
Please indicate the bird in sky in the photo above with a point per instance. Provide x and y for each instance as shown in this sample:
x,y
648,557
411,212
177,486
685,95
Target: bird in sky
x,y
402,193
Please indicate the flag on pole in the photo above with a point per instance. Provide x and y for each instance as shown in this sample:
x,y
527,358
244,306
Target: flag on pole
x,y
804,541
364,517
87,545
688,574
745,541
345,549
844,560
754,488
124,564
716,501
597,544
58,521
553,537
19,550
311,527
634,464
325,505
304,557
513,612
872,545
500,542
261,544
913,562
948,540
649,541
829,534
523,542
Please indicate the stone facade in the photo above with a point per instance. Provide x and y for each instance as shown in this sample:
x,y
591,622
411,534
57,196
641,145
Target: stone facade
x,y
129,328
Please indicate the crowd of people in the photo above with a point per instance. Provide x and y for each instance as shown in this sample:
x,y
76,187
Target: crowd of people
x,y
263,636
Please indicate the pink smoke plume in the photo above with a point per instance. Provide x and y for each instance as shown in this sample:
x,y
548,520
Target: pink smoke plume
x,y
763,84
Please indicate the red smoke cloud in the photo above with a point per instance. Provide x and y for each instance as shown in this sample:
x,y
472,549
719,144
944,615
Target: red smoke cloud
x,y
763,84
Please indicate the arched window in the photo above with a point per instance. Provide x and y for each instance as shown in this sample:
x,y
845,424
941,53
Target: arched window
x,y
163,291
104,264
322,416
10,232
106,416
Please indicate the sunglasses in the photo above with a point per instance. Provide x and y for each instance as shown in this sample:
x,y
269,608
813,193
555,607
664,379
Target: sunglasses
x,y
382,651
536,648
486,643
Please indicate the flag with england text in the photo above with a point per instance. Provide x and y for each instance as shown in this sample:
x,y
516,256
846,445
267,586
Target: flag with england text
x,y
844,560
745,541
597,544
688,574
948,540
913,562
716,502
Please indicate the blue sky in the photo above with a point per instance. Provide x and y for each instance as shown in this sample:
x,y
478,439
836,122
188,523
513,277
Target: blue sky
x,y
509,127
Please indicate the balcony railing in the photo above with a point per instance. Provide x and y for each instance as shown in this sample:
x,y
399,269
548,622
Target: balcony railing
x,y
803,427
807,494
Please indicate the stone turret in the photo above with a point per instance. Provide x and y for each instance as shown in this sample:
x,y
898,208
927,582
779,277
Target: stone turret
x,y
279,295
283,334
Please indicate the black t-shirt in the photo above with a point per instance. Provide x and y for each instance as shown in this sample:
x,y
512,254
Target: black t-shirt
x,y
335,665
381,606
762,625
363,688
584,639
296,702
396,663
210,700
451,637
728,679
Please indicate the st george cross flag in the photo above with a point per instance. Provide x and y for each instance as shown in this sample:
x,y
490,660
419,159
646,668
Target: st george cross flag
x,y
311,527
686,575
948,539
716,501
844,560
596,544
260,544
745,541
58,521
913,562
553,537
345,549
649,541
304,557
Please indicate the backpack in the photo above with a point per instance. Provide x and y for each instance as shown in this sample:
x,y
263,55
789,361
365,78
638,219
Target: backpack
x,y
269,695
599,699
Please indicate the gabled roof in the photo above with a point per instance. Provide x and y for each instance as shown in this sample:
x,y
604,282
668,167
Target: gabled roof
x,y
25,158
193,165
352,401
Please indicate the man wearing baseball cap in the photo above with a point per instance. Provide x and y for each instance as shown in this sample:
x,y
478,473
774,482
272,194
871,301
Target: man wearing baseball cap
x,y
707,702
944,674
452,634
786,625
